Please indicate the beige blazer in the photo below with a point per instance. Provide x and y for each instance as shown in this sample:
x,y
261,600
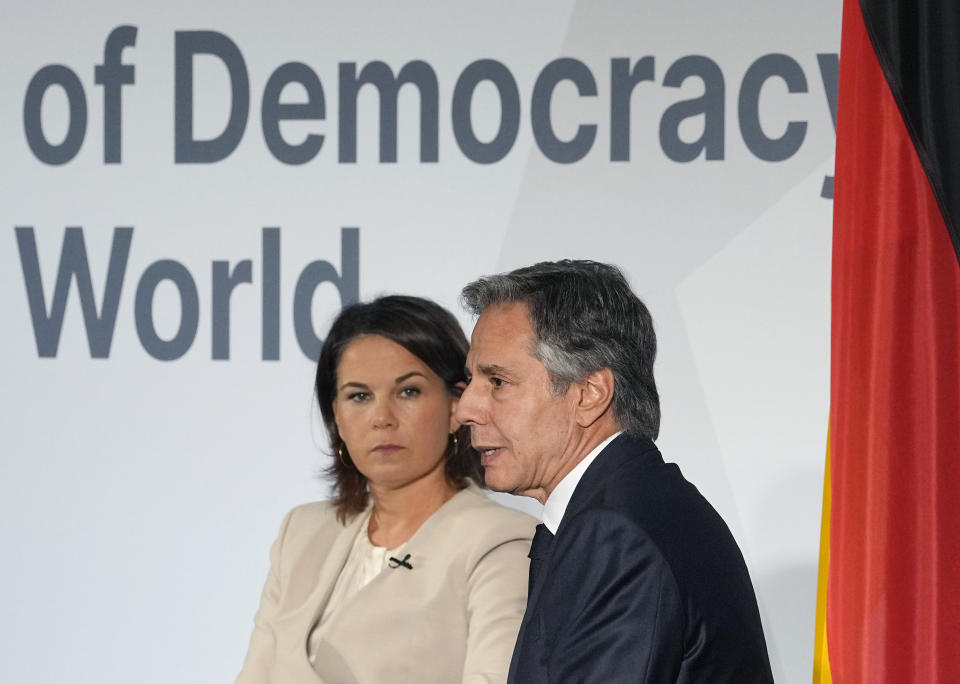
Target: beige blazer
x,y
452,618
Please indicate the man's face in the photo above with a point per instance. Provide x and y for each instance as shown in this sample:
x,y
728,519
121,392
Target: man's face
x,y
519,426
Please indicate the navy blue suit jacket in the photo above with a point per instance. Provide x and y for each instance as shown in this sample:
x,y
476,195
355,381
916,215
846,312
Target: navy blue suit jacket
x,y
643,583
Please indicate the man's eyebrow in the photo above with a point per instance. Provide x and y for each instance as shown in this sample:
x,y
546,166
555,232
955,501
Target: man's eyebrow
x,y
492,369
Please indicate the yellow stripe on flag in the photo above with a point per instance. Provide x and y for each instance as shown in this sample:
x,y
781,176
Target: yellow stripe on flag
x,y
821,658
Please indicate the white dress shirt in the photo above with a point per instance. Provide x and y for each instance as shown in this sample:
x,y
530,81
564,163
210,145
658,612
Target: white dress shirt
x,y
559,498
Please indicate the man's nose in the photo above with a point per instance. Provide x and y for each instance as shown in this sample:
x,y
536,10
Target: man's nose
x,y
468,410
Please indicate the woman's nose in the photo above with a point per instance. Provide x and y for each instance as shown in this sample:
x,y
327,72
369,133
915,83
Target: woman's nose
x,y
383,416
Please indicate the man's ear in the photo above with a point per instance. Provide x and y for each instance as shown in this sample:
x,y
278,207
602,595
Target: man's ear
x,y
596,396
454,423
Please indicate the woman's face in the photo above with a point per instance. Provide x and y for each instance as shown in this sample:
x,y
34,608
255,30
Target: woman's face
x,y
393,413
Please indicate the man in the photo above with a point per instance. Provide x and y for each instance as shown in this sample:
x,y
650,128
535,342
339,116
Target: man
x,y
634,577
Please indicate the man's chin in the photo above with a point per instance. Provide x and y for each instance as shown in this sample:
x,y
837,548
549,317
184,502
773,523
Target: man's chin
x,y
492,480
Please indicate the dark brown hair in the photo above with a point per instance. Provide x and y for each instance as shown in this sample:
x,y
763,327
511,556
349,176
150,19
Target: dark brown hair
x,y
429,332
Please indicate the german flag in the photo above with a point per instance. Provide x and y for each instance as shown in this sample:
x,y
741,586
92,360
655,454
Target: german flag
x,y
888,609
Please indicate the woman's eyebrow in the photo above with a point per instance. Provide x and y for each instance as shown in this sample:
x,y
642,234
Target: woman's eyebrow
x,y
409,375
358,385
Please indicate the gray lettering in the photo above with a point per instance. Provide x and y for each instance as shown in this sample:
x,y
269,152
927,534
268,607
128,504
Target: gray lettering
x,y
830,74
270,324
762,146
223,283
709,105
113,74
177,273
273,111
73,265
473,148
560,151
622,82
55,74
317,272
187,150
380,75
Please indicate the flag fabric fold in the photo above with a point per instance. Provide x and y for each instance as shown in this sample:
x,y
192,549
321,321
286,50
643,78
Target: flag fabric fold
x,y
890,556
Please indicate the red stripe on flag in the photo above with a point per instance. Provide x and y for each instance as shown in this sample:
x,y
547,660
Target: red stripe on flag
x,y
893,602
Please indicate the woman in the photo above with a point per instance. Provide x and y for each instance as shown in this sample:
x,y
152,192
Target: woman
x,y
410,573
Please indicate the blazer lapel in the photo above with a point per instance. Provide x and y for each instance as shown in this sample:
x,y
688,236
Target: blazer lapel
x,y
433,528
383,596
331,566
418,546
321,557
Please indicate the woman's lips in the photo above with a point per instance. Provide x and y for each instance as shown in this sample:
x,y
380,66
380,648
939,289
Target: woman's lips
x,y
387,448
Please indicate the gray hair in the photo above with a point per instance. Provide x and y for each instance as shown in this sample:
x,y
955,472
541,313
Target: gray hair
x,y
585,318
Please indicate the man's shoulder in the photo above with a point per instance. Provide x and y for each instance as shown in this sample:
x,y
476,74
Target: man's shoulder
x,y
662,506
638,515
631,475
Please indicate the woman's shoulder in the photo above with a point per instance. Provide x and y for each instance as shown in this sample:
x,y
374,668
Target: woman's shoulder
x,y
308,519
309,526
473,508
312,512
473,531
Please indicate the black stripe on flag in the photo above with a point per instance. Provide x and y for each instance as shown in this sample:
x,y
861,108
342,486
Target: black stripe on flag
x,y
918,46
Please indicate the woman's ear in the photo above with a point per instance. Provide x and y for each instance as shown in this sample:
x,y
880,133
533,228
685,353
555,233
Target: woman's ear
x,y
454,400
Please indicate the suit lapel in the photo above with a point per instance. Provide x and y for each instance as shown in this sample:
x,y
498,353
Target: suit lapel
x,y
614,455
624,448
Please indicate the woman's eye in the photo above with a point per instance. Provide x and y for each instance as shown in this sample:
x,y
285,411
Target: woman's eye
x,y
408,392
358,396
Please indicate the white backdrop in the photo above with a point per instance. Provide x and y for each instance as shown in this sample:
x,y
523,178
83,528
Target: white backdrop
x,y
139,496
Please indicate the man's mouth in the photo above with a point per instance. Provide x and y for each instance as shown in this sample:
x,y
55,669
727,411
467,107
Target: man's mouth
x,y
487,454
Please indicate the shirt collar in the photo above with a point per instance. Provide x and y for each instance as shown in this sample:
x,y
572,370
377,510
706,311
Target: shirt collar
x,y
559,498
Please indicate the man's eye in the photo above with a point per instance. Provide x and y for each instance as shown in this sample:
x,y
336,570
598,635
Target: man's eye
x,y
496,382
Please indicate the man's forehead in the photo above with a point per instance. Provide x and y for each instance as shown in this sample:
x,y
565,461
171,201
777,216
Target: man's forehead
x,y
508,320
502,336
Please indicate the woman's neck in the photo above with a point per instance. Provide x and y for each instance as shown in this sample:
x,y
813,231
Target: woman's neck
x,y
399,513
